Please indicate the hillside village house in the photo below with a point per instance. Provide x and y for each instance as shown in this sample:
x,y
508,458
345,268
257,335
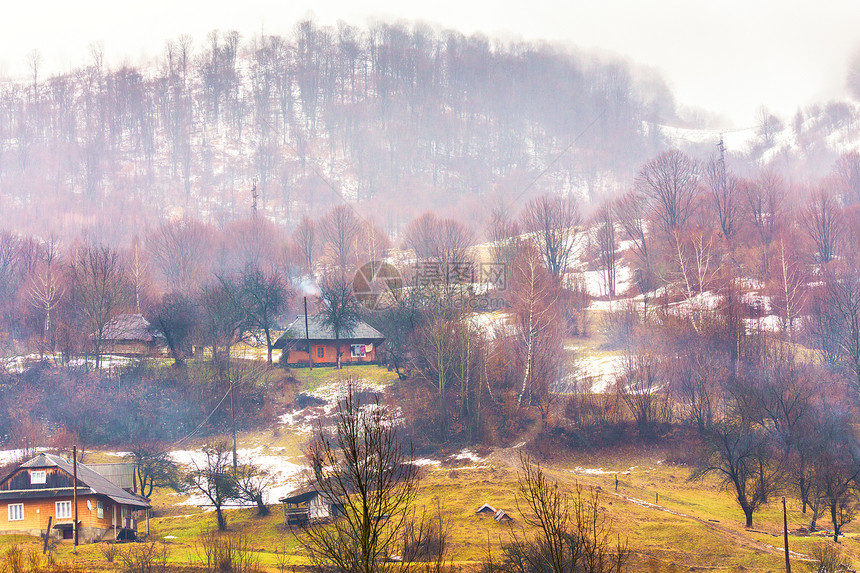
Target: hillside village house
x,y
359,347
132,335
42,489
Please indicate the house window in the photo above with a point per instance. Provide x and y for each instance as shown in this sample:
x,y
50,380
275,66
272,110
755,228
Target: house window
x,y
63,509
358,350
16,512
100,509
320,351
37,477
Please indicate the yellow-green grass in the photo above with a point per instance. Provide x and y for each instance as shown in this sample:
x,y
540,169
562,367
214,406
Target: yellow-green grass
x,y
682,536
679,532
658,538
313,379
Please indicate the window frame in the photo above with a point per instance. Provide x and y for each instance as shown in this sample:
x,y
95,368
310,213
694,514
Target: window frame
x,y
13,512
40,473
321,352
66,505
355,350
100,509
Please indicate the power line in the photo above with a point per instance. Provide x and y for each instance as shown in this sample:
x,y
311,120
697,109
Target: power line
x,y
215,409
554,160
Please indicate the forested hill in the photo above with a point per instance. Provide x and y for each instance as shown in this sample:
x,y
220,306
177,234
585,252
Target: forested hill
x,y
396,118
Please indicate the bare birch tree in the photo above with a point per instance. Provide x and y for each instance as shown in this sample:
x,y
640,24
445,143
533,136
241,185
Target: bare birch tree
x,y
534,297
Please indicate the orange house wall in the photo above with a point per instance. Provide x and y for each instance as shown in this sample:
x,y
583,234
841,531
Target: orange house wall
x,y
37,512
301,356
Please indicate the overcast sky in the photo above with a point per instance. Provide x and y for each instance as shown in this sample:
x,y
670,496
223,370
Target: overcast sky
x,y
728,57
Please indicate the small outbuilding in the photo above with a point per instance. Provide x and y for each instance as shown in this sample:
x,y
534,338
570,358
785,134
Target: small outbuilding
x,y
486,508
309,504
132,335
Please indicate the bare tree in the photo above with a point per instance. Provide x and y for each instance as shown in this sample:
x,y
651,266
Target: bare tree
x,y
437,337
251,483
138,272
98,280
768,126
847,175
765,199
631,211
696,268
339,309
153,467
822,218
554,222
642,387
843,299
175,317
181,251
45,292
572,534
222,319
535,297
213,478
789,287
504,235
340,229
305,237
725,195
607,245
745,458
670,182
422,235
365,467
264,299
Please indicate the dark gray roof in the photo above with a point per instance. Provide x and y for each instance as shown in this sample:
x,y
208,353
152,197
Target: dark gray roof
x,y
317,330
130,327
120,473
99,484
305,493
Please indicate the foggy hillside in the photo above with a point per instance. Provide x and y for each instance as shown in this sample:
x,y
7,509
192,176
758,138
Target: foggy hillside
x,y
396,118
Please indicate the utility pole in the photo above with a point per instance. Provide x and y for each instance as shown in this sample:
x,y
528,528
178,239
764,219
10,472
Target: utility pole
x,y
785,536
233,422
308,337
75,494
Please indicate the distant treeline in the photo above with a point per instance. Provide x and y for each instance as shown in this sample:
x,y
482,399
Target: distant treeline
x,y
395,118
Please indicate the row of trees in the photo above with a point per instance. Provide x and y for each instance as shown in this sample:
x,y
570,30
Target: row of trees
x,y
388,107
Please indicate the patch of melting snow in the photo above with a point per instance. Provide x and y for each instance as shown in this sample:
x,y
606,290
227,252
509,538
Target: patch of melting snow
x,y
598,373
18,455
287,476
426,462
466,454
591,471
305,420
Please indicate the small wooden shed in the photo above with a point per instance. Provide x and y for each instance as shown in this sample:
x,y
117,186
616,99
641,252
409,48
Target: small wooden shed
x,y
309,504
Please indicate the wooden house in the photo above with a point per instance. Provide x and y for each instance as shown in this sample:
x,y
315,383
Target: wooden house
x,y
309,504
357,347
132,335
39,492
